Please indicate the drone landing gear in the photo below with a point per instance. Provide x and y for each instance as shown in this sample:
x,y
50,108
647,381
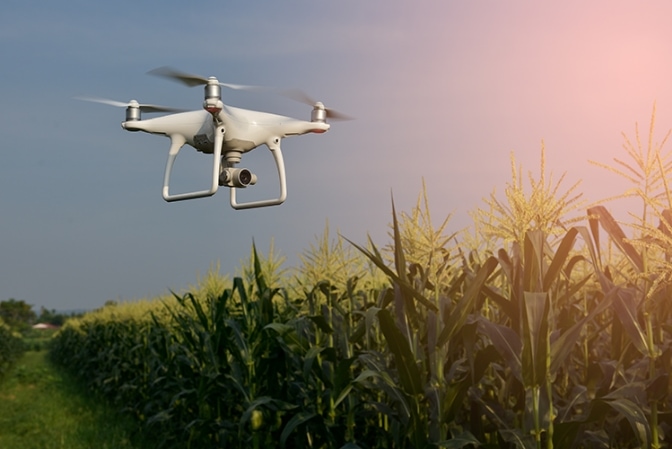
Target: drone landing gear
x,y
280,164
177,141
224,173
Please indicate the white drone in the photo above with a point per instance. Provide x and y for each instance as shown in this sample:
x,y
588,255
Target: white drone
x,y
225,132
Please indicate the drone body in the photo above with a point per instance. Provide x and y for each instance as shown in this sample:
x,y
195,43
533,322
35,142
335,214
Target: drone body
x,y
225,132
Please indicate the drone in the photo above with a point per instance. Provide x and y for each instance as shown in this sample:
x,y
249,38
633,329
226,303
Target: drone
x,y
225,132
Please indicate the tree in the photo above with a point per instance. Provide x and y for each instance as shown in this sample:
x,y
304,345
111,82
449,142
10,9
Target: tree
x,y
51,317
16,313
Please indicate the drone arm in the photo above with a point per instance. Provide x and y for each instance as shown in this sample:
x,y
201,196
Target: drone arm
x,y
280,164
176,143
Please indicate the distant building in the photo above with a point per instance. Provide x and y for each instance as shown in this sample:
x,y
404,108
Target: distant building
x,y
45,326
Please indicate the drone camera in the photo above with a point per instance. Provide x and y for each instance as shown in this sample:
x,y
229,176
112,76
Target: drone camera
x,y
237,177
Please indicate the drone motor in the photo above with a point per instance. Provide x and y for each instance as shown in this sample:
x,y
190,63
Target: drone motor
x,y
213,96
318,114
133,111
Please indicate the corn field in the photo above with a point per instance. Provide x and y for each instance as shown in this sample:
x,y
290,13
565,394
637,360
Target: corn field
x,y
538,332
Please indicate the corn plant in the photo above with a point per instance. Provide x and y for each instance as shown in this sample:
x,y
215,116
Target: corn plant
x,y
539,338
544,208
646,171
421,335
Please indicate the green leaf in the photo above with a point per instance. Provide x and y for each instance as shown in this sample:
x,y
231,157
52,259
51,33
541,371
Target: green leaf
x,y
293,423
507,343
365,375
617,235
239,286
258,272
516,437
533,257
659,387
507,306
399,259
563,345
459,441
258,402
626,309
635,416
322,323
343,373
309,360
288,334
535,337
465,305
405,361
593,245
350,445
565,433
406,288
559,258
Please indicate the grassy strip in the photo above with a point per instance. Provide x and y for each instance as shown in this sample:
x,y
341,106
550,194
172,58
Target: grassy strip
x,y
45,408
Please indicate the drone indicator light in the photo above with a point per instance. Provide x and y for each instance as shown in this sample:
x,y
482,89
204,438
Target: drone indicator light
x,y
214,110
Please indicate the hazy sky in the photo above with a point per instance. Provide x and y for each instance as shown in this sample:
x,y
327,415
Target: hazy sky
x,y
443,90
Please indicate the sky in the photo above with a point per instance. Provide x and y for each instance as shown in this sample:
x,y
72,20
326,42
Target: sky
x,y
443,91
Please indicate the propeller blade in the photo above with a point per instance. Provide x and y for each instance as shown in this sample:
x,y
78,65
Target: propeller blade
x,y
158,108
335,115
181,77
197,80
120,104
247,87
298,95
302,97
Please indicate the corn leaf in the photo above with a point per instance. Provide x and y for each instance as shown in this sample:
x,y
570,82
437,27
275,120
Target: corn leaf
x,y
562,346
296,421
405,361
602,215
636,418
465,305
507,343
535,337
406,288
559,258
465,438
533,261
626,309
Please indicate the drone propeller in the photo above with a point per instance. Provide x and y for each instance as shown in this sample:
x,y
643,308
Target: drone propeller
x,y
294,94
196,80
131,104
302,97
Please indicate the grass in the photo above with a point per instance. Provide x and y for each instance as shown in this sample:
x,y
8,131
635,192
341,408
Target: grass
x,y
44,408
37,339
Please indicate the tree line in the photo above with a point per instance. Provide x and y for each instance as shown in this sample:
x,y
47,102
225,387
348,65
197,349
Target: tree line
x,y
20,316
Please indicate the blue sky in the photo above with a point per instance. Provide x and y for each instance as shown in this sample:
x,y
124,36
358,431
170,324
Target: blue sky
x,y
441,90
